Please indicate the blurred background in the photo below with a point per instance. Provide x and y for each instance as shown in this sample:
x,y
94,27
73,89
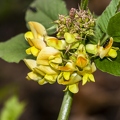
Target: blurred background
x,y
95,101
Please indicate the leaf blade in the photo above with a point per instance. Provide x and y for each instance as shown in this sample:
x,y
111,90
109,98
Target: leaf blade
x,y
102,21
13,50
46,13
111,67
113,28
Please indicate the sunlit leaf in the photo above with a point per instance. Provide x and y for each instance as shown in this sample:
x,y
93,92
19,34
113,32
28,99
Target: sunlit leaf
x,y
114,27
13,50
102,21
46,12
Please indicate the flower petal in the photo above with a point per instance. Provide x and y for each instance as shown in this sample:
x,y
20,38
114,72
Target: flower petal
x,y
34,76
91,48
39,42
70,66
30,63
69,38
91,77
85,79
37,29
102,51
74,78
28,35
51,78
46,69
42,81
112,53
66,75
32,50
74,88
54,42
81,62
43,57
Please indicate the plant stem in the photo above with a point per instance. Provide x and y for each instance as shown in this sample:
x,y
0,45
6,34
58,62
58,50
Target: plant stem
x,y
66,106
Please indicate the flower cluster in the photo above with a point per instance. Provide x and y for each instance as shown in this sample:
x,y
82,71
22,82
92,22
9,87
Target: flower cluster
x,y
65,59
79,21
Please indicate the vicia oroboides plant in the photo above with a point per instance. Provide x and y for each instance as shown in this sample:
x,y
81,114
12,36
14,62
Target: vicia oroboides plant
x,y
67,47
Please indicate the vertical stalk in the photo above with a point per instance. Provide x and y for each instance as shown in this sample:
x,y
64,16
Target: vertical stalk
x,y
66,106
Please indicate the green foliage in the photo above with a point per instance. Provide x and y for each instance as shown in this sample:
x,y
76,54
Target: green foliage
x,y
84,4
113,28
46,12
103,20
12,109
108,25
109,66
13,50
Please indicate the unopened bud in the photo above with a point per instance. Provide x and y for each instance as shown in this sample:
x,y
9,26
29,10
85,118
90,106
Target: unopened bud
x,y
90,48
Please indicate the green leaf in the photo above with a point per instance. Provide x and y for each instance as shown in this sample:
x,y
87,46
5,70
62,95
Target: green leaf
x,y
102,21
12,109
52,29
116,38
13,50
111,67
113,28
84,4
46,12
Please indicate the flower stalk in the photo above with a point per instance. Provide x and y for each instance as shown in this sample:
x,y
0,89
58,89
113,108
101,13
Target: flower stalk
x,y
66,106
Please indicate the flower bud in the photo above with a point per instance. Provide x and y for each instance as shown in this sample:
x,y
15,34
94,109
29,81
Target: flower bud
x,y
90,48
69,38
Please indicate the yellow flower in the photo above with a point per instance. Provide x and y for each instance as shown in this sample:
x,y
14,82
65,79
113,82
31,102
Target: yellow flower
x,y
69,67
32,50
65,61
45,67
81,61
112,53
32,75
103,51
35,38
72,78
41,73
91,48
72,88
82,58
71,40
49,56
68,75
49,74
54,42
87,73
87,78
